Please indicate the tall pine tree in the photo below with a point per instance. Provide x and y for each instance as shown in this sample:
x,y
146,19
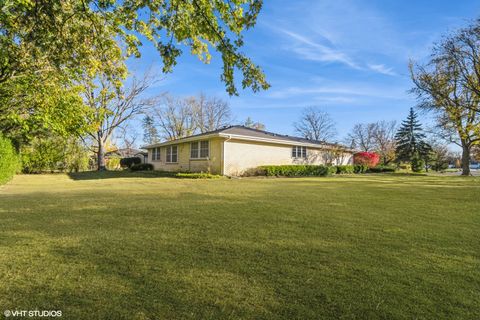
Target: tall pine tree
x,y
150,133
410,140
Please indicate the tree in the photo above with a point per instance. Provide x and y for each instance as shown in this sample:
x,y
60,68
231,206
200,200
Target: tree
x,y
54,153
362,136
210,113
439,156
370,159
249,123
315,124
411,146
32,106
175,117
112,105
47,47
150,132
449,86
384,140
72,35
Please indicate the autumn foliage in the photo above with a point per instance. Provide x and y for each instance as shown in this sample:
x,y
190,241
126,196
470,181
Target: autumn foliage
x,y
370,159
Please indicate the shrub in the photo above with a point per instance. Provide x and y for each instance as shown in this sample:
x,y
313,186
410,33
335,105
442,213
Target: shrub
x,y
331,170
405,166
54,154
142,167
380,169
9,160
129,162
370,159
112,163
360,168
254,172
346,169
295,170
418,165
201,175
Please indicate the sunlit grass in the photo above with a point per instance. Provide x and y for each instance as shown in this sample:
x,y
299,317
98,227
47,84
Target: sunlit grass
x,y
139,246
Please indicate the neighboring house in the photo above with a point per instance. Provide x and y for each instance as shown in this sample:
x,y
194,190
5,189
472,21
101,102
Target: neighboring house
x,y
233,150
128,153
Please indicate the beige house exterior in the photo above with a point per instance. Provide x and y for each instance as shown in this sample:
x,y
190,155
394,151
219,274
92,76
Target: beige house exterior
x,y
232,151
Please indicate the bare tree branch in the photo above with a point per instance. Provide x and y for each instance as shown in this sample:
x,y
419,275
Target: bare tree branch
x,y
315,124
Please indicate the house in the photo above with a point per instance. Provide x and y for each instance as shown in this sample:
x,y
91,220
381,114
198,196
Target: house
x,y
127,153
233,150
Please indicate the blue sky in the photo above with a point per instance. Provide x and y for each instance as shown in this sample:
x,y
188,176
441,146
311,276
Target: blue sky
x,y
348,57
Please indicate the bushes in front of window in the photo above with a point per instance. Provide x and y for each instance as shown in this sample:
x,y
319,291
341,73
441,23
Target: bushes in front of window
x,y
306,170
345,169
296,170
198,175
142,167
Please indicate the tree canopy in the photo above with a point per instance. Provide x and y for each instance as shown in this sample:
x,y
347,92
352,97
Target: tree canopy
x,y
449,86
77,35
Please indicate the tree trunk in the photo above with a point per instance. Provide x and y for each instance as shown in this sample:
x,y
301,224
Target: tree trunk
x,y
101,156
465,160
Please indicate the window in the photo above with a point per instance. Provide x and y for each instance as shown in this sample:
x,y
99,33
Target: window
x,y
299,152
204,149
194,150
155,154
199,149
172,155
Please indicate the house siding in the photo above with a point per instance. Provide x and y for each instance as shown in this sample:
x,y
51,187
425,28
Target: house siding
x,y
240,156
185,164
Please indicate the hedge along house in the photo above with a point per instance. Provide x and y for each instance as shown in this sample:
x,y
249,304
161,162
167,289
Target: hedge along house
x,y
234,150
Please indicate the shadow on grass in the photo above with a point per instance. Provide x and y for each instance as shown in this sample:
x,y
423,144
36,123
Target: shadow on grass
x,y
98,175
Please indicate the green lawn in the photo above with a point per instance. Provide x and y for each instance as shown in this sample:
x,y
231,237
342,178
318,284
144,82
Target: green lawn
x,y
133,246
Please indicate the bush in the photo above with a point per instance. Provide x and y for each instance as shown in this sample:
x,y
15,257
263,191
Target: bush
x,y
418,165
331,170
200,175
381,169
346,169
142,167
112,163
360,168
129,162
9,160
296,170
306,170
54,154
369,159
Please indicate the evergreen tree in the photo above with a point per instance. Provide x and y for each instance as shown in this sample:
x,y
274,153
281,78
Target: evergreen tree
x,y
150,133
410,140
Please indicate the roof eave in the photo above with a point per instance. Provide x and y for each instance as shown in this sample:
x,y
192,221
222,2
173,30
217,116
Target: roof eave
x,y
181,140
284,142
247,138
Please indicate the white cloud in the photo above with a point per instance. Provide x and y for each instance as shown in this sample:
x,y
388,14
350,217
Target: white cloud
x,y
324,51
316,51
381,68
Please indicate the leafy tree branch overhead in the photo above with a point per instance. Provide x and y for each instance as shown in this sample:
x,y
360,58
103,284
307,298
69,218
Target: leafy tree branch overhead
x,y
74,35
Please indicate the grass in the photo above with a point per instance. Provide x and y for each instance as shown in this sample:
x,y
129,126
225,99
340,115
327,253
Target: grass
x,y
141,246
